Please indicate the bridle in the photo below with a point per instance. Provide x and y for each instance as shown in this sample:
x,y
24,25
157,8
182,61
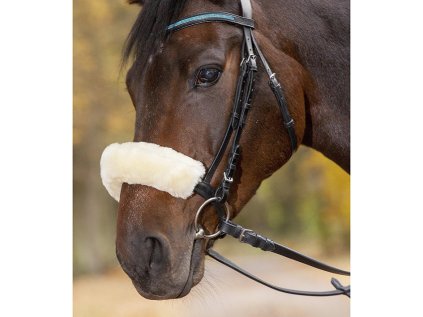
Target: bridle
x,y
241,104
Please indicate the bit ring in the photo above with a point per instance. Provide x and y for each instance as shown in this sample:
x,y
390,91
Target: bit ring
x,y
199,231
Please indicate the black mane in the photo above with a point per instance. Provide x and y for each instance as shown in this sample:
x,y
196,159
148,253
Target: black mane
x,y
149,29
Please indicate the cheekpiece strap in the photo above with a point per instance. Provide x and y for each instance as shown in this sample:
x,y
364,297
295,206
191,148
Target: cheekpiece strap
x,y
211,17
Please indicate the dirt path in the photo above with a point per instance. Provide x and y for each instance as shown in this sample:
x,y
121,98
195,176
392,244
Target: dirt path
x,y
222,291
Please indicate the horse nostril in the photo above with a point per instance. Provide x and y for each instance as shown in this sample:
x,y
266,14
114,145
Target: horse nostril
x,y
154,252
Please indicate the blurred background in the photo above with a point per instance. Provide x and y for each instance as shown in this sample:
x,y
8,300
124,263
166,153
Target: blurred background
x,y
305,205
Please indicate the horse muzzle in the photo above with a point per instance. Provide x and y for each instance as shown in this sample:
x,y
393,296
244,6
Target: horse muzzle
x,y
158,270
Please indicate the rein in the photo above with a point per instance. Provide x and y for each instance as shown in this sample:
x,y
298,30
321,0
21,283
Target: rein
x,y
241,104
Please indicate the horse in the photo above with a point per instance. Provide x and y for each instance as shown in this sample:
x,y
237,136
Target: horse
x,y
182,85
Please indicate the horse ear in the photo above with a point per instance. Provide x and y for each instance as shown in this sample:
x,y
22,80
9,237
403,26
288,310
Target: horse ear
x,y
140,2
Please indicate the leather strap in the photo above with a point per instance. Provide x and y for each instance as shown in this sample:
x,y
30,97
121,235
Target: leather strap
x,y
276,87
211,17
233,122
247,10
205,190
228,176
254,239
339,288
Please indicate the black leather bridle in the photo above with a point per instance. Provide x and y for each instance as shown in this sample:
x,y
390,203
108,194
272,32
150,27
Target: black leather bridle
x,y
241,104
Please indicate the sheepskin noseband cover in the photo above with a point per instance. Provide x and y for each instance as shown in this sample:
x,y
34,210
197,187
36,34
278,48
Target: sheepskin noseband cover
x,y
149,164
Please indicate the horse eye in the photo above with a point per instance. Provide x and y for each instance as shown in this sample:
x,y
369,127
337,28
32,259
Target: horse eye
x,y
207,76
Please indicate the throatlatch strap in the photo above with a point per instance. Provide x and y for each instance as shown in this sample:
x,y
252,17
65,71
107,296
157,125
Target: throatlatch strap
x,y
277,90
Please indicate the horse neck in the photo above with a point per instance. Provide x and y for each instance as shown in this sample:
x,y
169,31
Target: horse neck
x,y
317,36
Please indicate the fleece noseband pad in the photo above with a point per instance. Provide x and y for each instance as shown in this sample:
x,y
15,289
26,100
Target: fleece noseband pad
x,y
149,164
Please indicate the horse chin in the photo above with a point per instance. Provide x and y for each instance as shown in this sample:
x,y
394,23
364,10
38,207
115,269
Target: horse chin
x,y
148,294
172,291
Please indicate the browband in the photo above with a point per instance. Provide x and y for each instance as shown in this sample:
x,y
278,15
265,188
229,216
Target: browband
x,y
211,17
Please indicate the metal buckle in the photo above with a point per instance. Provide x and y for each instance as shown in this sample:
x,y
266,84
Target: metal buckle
x,y
227,179
273,80
199,231
251,61
242,62
289,124
242,235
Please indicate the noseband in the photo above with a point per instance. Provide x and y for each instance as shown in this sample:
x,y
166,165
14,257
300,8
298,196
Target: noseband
x,y
241,104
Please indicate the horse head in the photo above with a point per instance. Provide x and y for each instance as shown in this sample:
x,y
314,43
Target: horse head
x,y
182,86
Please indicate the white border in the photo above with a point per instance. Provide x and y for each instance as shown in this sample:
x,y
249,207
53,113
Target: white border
x,y
36,158
387,59
35,132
